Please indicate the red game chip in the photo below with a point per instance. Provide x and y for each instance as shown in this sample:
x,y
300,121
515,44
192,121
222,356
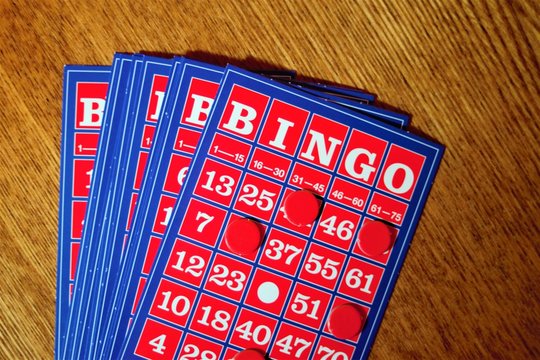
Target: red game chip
x,y
243,236
346,321
301,207
249,354
375,238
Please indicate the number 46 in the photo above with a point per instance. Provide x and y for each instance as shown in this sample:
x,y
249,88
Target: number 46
x,y
343,230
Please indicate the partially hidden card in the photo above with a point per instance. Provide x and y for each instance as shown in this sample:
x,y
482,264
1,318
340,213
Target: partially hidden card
x,y
330,198
85,89
391,117
341,91
100,188
190,95
143,116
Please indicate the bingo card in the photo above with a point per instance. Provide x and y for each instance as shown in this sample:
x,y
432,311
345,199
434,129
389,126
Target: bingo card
x,y
85,89
190,95
189,99
141,121
296,216
87,271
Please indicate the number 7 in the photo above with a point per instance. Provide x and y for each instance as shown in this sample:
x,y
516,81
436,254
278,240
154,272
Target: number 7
x,y
206,219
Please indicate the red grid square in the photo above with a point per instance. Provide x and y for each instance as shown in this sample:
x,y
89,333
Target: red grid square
x,y
269,164
257,197
337,226
198,348
282,221
78,210
202,222
282,251
292,342
151,251
363,156
387,208
253,330
138,294
163,214
229,149
187,140
213,317
90,104
400,172
141,166
361,280
322,266
82,176
283,127
217,182
383,258
349,194
268,292
307,306
86,144
329,349
228,277
199,100
73,259
306,177
173,302
157,93
132,205
188,262
223,245
158,341
243,112
323,142
176,172
340,301
148,136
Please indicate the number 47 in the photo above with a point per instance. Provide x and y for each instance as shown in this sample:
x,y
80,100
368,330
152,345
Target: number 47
x,y
286,344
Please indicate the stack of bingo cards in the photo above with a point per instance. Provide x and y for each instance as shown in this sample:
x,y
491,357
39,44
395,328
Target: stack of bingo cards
x,y
216,213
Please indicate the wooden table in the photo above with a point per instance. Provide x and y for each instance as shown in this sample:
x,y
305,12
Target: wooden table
x,y
469,73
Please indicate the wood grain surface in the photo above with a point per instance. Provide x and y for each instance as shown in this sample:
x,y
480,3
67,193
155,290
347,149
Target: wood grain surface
x,y
468,72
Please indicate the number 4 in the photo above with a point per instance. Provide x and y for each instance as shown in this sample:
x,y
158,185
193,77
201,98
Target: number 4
x,y
157,344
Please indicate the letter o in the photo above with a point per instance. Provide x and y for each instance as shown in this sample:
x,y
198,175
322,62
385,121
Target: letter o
x,y
390,173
